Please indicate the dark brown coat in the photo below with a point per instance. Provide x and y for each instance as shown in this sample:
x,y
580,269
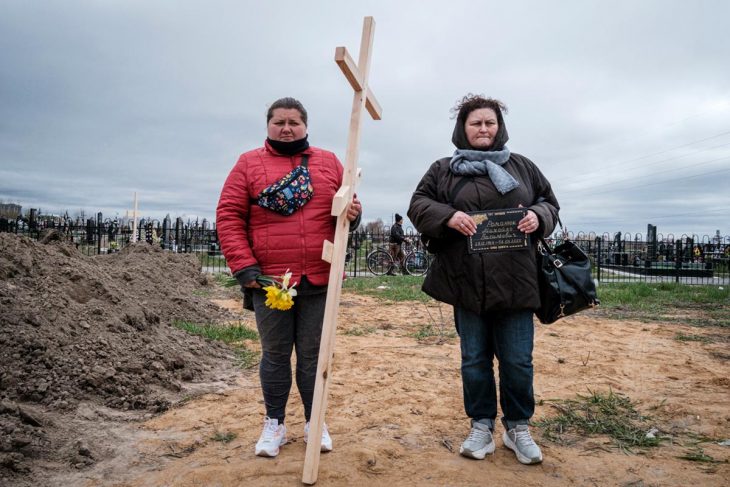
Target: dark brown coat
x,y
481,281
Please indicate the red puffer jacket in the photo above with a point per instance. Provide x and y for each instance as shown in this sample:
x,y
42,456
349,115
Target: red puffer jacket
x,y
250,235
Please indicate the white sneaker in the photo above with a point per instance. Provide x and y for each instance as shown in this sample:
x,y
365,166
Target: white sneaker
x,y
272,437
326,444
518,440
479,443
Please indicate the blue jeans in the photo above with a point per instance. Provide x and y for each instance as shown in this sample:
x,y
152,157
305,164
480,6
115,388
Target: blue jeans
x,y
281,331
508,335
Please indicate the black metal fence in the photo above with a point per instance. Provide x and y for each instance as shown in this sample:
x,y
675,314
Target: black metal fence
x,y
689,259
99,235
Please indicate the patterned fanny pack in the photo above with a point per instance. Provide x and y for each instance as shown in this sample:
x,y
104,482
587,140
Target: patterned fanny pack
x,y
289,193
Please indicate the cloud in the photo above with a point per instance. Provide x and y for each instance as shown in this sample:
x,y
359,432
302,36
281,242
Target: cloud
x,y
621,105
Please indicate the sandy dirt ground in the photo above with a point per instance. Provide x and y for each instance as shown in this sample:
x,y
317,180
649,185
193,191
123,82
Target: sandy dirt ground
x,y
396,413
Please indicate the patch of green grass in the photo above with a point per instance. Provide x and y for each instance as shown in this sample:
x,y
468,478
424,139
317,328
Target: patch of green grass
x,y
430,330
230,334
224,437
681,337
425,331
222,278
247,358
611,414
395,288
359,331
697,454
662,301
203,293
223,333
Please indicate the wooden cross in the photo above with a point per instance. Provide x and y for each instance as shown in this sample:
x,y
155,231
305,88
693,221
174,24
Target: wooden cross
x,y
334,253
134,220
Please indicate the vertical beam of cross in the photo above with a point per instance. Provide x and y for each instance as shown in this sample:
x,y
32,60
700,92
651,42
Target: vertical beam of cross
x,y
134,220
363,98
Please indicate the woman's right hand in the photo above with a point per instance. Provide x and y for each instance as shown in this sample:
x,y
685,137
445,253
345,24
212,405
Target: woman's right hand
x,y
252,284
462,223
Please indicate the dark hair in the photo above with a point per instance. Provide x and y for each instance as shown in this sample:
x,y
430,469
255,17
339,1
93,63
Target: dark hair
x,y
468,104
472,102
287,102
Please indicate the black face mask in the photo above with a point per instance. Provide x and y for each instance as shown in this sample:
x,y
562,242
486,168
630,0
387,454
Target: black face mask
x,y
458,138
289,148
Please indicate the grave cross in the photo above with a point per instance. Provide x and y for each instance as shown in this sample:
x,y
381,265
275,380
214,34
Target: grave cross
x,y
334,253
134,220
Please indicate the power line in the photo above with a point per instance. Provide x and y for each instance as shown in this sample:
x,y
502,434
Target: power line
x,y
657,182
654,131
661,161
658,153
678,147
654,173
674,215
704,211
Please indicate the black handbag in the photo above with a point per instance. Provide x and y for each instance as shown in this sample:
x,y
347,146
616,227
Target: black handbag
x,y
564,277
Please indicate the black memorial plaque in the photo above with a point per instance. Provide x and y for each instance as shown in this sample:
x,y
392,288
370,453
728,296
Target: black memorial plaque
x,y
497,231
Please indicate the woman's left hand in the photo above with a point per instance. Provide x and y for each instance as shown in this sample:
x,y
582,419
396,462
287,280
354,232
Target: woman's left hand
x,y
530,223
354,209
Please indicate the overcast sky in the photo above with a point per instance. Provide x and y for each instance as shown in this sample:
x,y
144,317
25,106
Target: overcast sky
x,y
624,105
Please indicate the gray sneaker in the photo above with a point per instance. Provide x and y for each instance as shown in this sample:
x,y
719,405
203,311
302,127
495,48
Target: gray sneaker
x,y
518,440
479,442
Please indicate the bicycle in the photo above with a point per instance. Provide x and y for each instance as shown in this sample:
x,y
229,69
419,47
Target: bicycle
x,y
416,262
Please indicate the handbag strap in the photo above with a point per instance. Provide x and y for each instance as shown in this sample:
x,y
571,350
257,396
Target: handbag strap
x,y
540,200
304,164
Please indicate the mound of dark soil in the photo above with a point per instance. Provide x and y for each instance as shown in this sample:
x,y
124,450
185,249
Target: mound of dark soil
x,y
98,329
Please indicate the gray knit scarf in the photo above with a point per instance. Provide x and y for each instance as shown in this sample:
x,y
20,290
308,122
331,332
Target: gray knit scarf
x,y
480,163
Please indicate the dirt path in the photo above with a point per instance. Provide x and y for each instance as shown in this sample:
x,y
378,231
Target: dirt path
x,y
396,414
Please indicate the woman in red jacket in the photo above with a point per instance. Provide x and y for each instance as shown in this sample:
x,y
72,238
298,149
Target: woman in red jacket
x,y
257,240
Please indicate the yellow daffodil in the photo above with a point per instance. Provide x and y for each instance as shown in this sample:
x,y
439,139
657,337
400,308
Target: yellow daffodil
x,y
279,294
277,298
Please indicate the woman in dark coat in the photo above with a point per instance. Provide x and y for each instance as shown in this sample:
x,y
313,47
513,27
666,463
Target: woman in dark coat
x,y
494,293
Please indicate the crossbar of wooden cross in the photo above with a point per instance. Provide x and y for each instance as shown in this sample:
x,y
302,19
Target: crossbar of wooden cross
x,y
334,252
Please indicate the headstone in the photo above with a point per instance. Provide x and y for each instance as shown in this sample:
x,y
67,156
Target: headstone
x,y
166,232
90,231
179,224
651,243
32,219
